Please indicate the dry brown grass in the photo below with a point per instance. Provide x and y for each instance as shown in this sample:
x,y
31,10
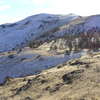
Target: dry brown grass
x,y
75,80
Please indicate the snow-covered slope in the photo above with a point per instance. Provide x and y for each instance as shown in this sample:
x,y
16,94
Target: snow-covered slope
x,y
17,35
44,27
92,21
70,35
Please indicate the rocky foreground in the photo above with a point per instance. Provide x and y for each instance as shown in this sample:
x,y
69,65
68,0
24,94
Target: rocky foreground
x,y
77,79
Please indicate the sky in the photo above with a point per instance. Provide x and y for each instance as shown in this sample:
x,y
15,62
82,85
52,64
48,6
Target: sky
x,y
15,10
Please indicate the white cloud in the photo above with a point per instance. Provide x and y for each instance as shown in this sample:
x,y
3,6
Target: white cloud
x,y
1,1
38,2
9,19
4,7
82,7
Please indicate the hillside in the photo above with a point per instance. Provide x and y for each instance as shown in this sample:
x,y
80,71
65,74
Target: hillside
x,y
62,31
17,35
78,79
30,61
50,57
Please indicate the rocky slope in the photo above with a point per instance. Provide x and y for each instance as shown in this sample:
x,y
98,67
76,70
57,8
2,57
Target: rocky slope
x,y
78,79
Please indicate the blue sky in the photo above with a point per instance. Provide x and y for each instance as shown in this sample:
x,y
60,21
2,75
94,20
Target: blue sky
x,y
14,10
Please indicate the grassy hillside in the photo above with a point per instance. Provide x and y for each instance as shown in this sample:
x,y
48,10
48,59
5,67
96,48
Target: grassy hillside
x,y
77,79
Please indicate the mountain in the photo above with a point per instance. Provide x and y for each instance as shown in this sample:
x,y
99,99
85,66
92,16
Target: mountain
x,y
47,57
80,33
41,29
17,35
45,40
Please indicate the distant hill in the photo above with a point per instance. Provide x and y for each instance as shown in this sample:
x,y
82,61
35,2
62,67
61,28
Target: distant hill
x,y
39,29
17,35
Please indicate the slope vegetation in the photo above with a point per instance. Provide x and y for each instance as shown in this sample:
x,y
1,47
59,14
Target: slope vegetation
x,y
77,79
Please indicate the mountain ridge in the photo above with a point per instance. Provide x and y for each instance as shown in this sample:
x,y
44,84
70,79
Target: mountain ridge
x,y
18,35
